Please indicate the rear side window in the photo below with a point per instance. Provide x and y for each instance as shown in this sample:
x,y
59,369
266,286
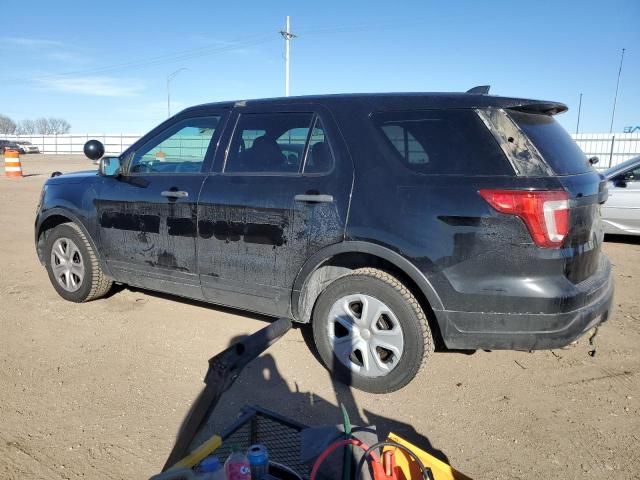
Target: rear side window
x,y
553,142
278,143
269,143
319,158
445,142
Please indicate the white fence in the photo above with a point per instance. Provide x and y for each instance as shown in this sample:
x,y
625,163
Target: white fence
x,y
610,148
72,144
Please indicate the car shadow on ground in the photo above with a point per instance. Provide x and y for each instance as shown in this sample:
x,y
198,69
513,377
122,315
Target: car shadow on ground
x,y
188,301
617,238
261,384
306,332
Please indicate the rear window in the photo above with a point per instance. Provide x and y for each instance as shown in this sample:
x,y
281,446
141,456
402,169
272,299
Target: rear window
x,y
444,142
553,142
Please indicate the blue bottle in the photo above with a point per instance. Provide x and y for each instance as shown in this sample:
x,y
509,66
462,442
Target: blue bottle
x,y
259,461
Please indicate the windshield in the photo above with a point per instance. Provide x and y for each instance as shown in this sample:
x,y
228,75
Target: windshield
x,y
613,171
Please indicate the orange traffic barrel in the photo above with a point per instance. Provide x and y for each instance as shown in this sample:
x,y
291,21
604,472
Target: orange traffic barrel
x,y
12,166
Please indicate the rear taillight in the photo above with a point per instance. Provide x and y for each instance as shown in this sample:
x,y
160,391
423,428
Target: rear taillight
x,y
544,212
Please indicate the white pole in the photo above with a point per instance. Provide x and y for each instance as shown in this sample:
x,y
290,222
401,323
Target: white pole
x,y
287,40
287,35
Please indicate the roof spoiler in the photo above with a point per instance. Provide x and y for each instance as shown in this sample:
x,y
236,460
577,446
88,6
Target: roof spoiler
x,y
542,107
479,90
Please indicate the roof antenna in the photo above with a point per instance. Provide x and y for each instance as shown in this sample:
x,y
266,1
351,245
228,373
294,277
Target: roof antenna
x,y
480,90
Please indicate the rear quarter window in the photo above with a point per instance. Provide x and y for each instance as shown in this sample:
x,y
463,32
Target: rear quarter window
x,y
553,142
441,142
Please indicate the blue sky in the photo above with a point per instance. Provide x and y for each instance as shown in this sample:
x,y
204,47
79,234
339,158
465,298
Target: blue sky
x,y
103,65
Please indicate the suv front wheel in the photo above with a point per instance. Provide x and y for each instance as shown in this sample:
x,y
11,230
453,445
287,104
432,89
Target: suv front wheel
x,y
371,332
72,265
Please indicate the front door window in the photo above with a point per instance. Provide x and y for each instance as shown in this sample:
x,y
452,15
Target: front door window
x,y
180,149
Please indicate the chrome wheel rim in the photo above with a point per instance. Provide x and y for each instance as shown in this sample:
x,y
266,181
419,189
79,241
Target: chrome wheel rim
x,y
365,335
67,264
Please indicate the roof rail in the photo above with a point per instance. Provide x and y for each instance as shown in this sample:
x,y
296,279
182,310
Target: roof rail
x,y
479,90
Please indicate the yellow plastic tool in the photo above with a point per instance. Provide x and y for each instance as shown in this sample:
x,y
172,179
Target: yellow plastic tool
x,y
200,453
407,468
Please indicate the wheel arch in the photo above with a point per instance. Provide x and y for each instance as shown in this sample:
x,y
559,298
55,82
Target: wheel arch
x,y
58,216
336,260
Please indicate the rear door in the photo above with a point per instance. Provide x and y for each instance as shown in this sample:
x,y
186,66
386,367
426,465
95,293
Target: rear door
x,y
621,213
280,193
147,216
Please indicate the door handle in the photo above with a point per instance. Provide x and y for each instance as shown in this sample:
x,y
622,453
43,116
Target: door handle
x,y
175,194
320,198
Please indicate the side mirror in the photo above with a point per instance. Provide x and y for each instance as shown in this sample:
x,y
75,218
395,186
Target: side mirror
x,y
620,182
93,150
593,160
109,166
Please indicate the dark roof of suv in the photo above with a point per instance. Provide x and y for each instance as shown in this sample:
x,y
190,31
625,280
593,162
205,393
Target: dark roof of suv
x,y
403,101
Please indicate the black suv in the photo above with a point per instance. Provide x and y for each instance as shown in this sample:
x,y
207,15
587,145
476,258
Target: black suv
x,y
390,222
9,145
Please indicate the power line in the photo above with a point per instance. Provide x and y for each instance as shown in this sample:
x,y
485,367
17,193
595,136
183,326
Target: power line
x,y
249,40
152,61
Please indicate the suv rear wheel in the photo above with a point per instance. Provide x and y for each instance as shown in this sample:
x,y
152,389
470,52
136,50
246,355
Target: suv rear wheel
x,y
371,332
72,265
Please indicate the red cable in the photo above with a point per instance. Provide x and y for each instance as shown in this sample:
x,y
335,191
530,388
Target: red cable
x,y
339,443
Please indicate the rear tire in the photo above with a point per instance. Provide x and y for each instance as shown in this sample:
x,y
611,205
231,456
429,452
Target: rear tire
x,y
371,332
72,265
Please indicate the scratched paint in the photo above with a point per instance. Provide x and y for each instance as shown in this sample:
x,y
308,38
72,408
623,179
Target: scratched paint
x,y
130,221
249,247
262,247
260,233
182,227
147,235
168,260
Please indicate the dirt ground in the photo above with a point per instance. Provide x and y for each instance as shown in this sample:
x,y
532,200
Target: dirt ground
x,y
99,390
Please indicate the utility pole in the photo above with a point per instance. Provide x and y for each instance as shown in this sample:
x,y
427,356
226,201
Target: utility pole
x,y
615,98
288,36
169,78
579,110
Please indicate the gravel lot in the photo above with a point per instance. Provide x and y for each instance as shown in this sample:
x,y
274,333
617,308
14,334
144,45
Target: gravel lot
x,y
98,390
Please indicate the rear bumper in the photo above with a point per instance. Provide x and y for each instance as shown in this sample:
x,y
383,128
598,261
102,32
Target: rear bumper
x,y
529,331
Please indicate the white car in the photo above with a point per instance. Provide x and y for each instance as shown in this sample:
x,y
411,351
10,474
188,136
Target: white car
x,y
621,212
27,147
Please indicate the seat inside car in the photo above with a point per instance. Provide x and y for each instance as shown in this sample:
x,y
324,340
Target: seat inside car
x,y
320,158
264,155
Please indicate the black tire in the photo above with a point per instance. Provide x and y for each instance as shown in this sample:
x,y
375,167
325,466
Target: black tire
x,y
417,337
95,283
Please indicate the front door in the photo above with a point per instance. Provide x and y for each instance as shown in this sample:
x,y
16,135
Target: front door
x,y
147,216
281,193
